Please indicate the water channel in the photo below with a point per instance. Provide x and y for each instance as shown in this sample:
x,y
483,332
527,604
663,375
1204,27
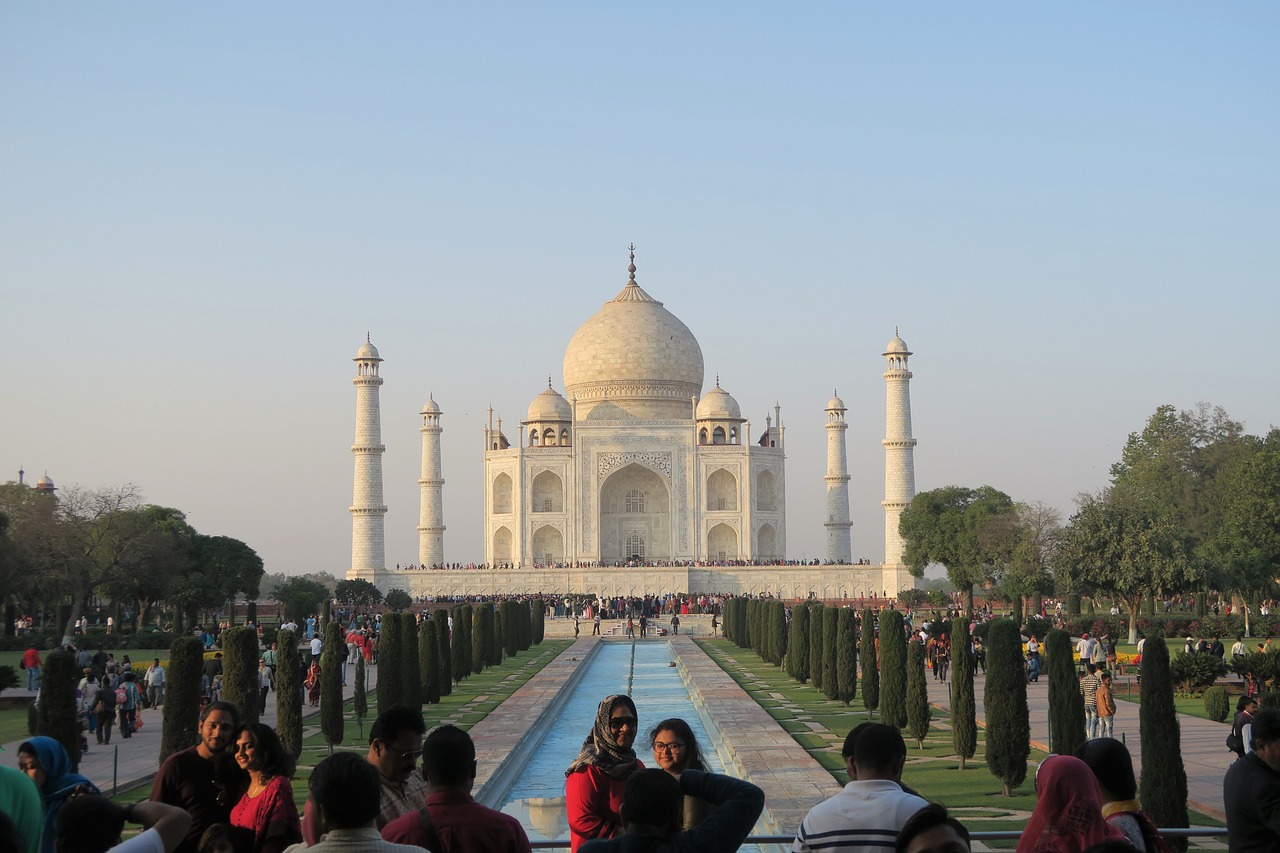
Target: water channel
x,y
642,669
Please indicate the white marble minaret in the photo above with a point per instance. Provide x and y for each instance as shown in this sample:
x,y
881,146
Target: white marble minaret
x,y
431,509
899,453
839,549
368,542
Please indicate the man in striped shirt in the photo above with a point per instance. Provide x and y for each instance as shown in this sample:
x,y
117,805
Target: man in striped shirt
x,y
864,817
1089,690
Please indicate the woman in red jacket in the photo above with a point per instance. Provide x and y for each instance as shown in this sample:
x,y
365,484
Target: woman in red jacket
x,y
595,780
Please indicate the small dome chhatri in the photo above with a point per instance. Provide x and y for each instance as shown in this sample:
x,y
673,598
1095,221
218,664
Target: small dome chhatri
x,y
549,406
897,346
431,407
367,351
835,402
718,405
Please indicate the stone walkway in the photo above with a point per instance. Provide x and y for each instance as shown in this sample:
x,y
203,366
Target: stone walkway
x,y
1204,755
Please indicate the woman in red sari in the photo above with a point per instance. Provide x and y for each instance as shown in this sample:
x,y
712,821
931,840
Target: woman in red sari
x,y
266,813
312,683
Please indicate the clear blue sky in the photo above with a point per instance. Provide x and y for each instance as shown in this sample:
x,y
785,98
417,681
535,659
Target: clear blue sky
x,y
1070,211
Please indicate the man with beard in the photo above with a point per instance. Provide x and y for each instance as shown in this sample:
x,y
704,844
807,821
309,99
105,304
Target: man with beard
x,y
204,779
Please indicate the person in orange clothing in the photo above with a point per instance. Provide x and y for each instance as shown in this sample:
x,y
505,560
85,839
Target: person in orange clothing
x,y
31,663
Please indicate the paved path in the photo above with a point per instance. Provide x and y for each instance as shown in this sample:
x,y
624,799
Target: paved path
x,y
131,762
1204,754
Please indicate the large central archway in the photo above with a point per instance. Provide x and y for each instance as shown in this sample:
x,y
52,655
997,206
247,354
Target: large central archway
x,y
635,509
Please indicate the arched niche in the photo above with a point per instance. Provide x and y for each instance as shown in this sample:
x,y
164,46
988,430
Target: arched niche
x,y
635,501
548,545
502,545
722,491
766,543
722,543
766,492
548,492
501,494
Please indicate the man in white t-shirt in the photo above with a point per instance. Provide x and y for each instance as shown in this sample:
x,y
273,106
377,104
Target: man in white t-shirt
x,y
1084,648
316,646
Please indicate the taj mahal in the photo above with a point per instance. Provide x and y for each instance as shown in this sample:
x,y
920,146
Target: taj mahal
x,y
634,480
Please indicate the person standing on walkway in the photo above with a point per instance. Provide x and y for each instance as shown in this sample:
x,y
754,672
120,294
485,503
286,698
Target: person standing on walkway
x,y
154,680
204,779
1242,725
264,686
1106,705
1089,690
104,708
128,698
675,625
595,629
31,663
867,814
1251,790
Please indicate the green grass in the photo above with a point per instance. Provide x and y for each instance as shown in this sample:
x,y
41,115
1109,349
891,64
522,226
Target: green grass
x,y
974,795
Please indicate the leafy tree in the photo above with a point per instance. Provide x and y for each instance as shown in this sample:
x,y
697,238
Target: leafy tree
x,y
847,656
357,592
300,597
1066,705
429,661
331,658
1124,549
918,710
1163,788
1247,542
57,716
360,701
817,621
953,526
798,644
240,671
964,726
390,663
220,568
411,692
830,652
1005,700
893,669
398,599
441,619
182,696
870,663
289,692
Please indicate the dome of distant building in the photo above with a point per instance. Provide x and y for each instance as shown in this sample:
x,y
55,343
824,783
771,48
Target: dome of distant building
x,y
431,407
835,402
897,345
635,354
367,350
549,406
718,405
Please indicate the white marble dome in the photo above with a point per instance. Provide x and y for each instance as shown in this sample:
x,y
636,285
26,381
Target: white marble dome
x,y
549,406
367,351
896,346
835,403
431,407
637,355
718,405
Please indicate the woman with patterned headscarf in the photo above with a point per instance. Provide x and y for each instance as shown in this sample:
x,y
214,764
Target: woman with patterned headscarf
x,y
595,780
1068,813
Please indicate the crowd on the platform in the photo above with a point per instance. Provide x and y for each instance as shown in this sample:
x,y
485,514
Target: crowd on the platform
x,y
618,564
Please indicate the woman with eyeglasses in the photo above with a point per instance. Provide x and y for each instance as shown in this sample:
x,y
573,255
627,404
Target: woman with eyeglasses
x,y
266,813
1068,813
675,749
595,780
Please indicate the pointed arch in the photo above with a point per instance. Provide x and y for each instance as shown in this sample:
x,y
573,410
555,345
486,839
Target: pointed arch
x,y
501,498
722,491
766,492
722,543
548,493
502,545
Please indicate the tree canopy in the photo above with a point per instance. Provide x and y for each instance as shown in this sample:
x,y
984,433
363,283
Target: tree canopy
x,y
357,593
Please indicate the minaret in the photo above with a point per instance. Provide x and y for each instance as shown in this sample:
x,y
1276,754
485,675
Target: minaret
x,y
899,453
368,541
431,514
839,549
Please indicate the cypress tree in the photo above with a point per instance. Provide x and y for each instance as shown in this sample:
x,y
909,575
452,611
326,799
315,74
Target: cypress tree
x,y
539,626
460,655
331,723
847,656
798,644
1066,705
411,690
497,630
511,628
830,651
918,710
1005,701
777,632
816,623
964,725
240,671
441,619
390,662
480,636
759,621
870,663
178,727
360,700
250,614
56,716
1163,788
429,656
893,669
289,692
326,614
744,607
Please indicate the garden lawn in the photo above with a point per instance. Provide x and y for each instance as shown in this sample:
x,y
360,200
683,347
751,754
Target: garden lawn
x,y
819,725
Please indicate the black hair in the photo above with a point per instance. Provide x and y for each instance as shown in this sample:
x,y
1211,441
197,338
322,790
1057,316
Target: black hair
x,y
692,754
1266,725
347,788
11,840
276,761
215,833
1244,702
1109,847
1112,765
396,719
934,814
448,756
89,824
224,706
879,748
652,796
851,739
